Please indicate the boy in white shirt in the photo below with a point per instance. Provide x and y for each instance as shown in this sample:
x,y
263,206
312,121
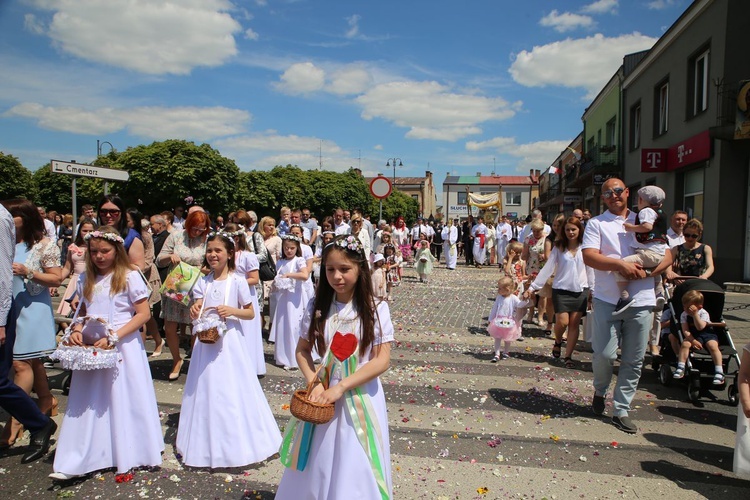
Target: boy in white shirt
x,y
650,242
699,334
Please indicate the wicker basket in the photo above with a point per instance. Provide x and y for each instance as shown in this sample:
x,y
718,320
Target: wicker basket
x,y
209,336
307,411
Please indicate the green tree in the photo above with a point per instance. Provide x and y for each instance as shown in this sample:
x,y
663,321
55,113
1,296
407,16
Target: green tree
x,y
16,180
163,174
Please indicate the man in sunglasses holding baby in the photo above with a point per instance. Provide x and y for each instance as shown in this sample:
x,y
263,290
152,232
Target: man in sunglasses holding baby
x,y
605,244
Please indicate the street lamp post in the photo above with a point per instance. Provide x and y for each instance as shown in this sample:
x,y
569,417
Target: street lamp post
x,y
98,154
395,162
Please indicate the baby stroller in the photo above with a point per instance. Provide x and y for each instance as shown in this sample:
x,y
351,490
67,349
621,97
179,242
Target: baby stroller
x,y
699,367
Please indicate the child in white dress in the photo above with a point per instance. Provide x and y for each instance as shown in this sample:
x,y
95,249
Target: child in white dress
x,y
378,277
742,442
225,420
291,299
505,317
247,266
111,419
346,457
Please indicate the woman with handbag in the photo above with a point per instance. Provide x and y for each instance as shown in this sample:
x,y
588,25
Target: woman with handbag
x,y
272,242
187,246
36,269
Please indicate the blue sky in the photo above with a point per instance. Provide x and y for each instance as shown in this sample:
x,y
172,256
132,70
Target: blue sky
x,y
444,86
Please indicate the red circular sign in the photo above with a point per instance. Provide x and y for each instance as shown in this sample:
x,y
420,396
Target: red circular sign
x,y
380,187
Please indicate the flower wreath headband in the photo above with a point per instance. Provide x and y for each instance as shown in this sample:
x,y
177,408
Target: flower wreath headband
x,y
349,242
226,235
115,238
292,238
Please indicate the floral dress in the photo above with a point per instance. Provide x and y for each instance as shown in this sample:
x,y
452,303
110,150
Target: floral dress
x,y
536,260
691,262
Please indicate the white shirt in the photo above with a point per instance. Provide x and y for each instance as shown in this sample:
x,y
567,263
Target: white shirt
x,y
526,231
605,234
49,228
503,231
674,239
649,215
450,234
479,229
571,274
178,223
7,252
342,228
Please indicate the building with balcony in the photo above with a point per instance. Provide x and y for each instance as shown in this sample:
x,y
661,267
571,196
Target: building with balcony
x,y
558,192
517,193
681,105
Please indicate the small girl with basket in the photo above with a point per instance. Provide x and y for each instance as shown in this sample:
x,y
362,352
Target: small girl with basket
x,y
505,317
291,298
111,419
393,263
424,258
225,420
349,455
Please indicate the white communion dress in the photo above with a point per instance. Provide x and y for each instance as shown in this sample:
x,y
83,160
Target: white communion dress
x,y
291,301
111,419
251,329
225,420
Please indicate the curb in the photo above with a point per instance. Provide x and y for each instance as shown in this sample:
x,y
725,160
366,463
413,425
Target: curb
x,y
737,287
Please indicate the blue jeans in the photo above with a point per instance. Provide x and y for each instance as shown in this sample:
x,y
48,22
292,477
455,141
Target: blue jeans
x,y
630,331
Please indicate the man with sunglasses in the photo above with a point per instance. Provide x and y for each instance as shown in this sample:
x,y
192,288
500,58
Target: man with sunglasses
x,y
605,244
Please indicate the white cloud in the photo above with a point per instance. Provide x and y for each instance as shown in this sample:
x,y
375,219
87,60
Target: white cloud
x,y
302,78
661,4
378,147
601,7
270,141
353,22
566,21
431,110
149,122
532,155
251,35
33,25
148,36
350,80
583,62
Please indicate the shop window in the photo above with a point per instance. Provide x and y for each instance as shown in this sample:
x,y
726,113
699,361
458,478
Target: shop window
x,y
698,82
512,199
693,197
635,126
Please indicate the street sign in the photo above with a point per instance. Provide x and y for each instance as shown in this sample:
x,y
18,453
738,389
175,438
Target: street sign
x,y
380,187
81,170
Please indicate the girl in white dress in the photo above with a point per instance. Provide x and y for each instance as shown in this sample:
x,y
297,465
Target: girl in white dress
x,y
247,266
111,419
348,457
308,255
291,299
225,420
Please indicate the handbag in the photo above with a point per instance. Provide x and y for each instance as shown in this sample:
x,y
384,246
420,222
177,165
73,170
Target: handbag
x,y
267,269
180,282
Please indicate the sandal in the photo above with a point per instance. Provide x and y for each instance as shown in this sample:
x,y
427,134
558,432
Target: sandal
x,y
569,362
557,350
718,378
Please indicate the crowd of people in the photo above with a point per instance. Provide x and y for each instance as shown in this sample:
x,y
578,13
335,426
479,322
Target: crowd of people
x,y
324,286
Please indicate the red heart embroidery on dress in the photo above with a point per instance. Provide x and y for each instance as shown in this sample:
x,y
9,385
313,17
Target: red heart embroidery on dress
x,y
343,346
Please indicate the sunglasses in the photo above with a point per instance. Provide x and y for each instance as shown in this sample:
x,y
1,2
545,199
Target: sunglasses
x,y
691,236
613,192
106,211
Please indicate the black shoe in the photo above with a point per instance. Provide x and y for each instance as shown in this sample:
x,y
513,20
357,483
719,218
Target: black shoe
x,y
39,445
597,405
622,304
625,424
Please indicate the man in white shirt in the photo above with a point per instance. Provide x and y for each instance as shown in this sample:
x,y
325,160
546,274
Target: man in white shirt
x,y
339,226
674,233
49,226
480,233
535,214
604,246
503,234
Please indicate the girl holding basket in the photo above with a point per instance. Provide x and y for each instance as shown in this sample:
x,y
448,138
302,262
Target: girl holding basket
x,y
349,456
111,419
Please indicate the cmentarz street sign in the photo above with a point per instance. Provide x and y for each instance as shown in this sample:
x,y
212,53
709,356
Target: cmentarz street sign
x,y
79,169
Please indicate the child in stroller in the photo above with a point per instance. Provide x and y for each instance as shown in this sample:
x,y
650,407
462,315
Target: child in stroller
x,y
698,334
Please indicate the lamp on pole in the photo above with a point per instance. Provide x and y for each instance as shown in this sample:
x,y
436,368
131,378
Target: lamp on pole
x,y
395,161
98,154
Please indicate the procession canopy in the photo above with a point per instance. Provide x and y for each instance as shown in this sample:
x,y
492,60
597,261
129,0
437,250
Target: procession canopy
x,y
485,202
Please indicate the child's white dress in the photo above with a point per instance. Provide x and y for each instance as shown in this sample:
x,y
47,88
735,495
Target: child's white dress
x,y
510,308
290,304
111,419
337,466
225,420
251,328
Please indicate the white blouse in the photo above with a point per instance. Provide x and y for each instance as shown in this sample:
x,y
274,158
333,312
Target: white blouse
x,y
571,274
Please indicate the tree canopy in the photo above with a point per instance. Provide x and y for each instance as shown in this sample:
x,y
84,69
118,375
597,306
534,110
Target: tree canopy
x,y
163,174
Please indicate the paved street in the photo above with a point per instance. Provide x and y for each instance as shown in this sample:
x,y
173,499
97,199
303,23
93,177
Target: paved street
x,y
462,427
